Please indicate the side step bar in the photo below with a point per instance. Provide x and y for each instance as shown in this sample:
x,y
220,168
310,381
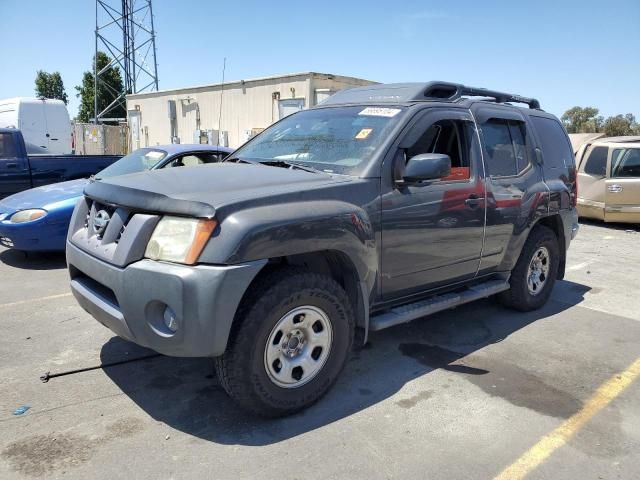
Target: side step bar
x,y
406,313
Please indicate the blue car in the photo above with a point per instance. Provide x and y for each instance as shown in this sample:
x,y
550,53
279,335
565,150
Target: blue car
x,y
38,219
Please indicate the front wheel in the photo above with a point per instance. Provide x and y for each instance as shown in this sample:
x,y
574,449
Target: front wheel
x,y
289,343
535,273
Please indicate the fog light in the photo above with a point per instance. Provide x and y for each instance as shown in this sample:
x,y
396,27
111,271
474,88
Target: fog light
x,y
170,320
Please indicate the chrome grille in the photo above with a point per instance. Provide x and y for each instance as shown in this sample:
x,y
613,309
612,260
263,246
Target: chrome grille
x,y
112,233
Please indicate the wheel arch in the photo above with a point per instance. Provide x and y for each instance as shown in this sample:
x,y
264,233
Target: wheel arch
x,y
555,224
333,263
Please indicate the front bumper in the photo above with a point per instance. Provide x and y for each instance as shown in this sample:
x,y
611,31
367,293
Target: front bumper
x,y
34,236
131,301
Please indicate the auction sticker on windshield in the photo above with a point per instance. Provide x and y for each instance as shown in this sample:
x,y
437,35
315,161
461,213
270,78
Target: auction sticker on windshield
x,y
364,133
380,112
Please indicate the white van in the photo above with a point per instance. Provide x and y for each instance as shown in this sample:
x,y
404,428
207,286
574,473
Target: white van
x,y
44,123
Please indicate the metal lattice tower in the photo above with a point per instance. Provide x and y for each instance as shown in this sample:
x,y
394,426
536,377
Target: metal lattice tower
x,y
124,28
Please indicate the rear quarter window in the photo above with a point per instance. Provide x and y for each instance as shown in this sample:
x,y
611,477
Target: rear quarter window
x,y
554,143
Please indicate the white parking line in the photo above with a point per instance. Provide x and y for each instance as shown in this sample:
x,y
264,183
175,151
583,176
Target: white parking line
x,y
31,300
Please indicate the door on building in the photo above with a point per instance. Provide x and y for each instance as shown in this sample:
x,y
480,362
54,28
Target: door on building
x,y
134,129
322,94
289,106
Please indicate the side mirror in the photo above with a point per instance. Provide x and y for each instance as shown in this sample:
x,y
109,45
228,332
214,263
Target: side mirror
x,y
427,166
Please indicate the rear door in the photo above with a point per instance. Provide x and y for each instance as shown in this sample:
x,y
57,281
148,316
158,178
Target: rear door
x,y
592,176
516,191
622,193
58,129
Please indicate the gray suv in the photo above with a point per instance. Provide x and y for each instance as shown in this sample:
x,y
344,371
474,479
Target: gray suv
x,y
383,204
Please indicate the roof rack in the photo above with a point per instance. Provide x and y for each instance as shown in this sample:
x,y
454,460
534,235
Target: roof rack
x,y
415,92
455,91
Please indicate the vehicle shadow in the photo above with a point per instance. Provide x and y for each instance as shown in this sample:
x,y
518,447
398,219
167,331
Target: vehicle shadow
x,y
184,394
33,260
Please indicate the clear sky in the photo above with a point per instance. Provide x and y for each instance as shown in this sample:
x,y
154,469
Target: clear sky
x,y
565,53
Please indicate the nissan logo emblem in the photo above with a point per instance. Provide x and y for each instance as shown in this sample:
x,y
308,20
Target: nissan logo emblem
x,y
100,222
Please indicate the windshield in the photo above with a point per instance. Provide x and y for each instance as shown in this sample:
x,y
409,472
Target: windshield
x,y
137,161
334,140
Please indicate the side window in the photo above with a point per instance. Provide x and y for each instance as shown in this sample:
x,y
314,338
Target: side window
x,y
501,156
519,145
210,157
7,146
625,162
448,137
556,149
191,160
185,161
597,161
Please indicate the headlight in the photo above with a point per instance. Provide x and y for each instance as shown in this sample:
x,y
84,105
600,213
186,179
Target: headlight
x,y
178,239
27,215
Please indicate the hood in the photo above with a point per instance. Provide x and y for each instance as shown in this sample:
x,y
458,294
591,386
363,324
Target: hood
x,y
205,188
43,197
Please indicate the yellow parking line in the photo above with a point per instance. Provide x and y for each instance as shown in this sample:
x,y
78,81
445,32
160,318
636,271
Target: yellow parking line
x,y
537,454
31,300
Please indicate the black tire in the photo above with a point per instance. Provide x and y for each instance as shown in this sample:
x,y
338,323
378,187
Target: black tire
x,y
242,369
519,296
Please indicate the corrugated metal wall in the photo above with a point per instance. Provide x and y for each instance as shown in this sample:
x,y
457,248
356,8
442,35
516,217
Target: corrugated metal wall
x,y
246,106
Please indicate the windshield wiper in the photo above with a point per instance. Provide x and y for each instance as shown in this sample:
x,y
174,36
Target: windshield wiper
x,y
287,163
275,163
240,160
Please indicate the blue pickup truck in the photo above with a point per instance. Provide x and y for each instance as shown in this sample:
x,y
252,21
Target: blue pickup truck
x,y
21,171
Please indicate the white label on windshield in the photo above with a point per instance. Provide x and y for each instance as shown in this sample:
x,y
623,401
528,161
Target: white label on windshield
x,y
155,155
380,112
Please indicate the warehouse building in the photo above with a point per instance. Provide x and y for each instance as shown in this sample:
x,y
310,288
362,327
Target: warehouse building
x,y
229,113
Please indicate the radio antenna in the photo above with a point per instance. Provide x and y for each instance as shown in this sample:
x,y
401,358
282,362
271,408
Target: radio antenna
x,y
224,66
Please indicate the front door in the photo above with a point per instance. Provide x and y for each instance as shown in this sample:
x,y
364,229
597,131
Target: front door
x,y
14,169
432,232
622,194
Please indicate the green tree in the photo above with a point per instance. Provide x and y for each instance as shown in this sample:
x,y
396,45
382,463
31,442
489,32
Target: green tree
x,y
109,86
621,125
49,85
582,120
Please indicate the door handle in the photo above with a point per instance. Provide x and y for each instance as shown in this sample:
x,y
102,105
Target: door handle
x,y
615,188
12,165
473,201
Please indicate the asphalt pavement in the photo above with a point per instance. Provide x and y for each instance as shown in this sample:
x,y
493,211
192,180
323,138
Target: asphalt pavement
x,y
474,392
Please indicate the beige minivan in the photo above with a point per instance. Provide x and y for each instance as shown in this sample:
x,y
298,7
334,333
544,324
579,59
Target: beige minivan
x,y
609,179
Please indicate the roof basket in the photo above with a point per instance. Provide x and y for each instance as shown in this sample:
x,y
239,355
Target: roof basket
x,y
455,91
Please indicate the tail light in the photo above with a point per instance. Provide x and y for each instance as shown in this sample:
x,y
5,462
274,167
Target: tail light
x,y
574,190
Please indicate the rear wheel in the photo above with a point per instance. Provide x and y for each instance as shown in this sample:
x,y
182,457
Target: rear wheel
x,y
535,273
289,343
